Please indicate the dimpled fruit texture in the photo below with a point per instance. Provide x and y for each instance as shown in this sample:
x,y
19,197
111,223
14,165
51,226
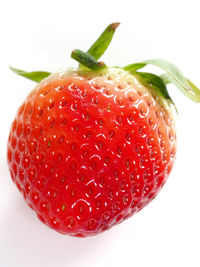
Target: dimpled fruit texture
x,y
89,150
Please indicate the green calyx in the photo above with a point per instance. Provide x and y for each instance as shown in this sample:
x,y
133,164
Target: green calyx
x,y
35,76
171,74
89,60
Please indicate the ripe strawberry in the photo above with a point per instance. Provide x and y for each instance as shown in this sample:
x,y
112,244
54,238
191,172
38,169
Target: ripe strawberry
x,y
91,146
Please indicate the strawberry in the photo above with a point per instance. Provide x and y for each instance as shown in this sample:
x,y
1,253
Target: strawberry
x,y
91,146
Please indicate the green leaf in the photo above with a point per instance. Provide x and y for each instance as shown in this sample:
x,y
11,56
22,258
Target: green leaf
x,y
134,67
164,77
87,60
102,43
173,75
36,76
156,82
188,89
195,90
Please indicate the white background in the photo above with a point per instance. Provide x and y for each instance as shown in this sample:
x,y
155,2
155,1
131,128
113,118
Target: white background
x,y
40,35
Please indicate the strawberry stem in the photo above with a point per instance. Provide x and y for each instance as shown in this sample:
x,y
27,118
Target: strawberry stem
x,y
102,43
87,60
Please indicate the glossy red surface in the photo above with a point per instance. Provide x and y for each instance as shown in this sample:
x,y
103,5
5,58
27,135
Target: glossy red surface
x,y
88,153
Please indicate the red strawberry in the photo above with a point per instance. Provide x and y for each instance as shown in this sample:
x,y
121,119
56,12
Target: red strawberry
x,y
91,146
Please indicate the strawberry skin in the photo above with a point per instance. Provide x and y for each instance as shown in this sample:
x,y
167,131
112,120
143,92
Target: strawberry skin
x,y
89,149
